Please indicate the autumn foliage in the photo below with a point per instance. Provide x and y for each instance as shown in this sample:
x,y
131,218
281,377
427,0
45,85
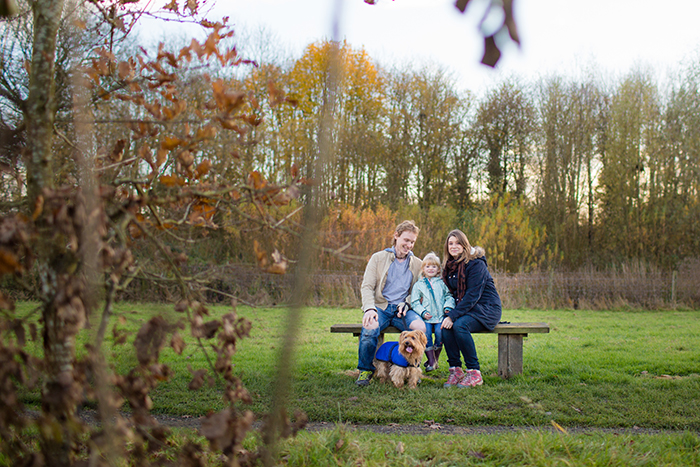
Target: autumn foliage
x,y
151,187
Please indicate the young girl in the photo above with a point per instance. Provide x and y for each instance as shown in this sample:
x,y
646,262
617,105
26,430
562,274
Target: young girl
x,y
478,307
429,298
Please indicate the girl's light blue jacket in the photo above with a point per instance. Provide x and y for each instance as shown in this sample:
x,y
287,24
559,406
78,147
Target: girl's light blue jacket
x,y
434,303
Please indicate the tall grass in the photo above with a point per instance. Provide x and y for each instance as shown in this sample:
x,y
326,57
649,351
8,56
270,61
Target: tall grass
x,y
634,285
631,286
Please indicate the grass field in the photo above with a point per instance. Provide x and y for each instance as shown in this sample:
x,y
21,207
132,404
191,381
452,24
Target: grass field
x,y
612,369
601,369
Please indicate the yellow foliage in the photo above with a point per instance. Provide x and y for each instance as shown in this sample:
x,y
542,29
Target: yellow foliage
x,y
505,231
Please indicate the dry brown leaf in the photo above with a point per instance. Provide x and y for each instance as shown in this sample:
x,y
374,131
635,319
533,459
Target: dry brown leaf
x,y
161,156
146,154
154,109
208,131
462,5
279,266
256,179
118,151
125,70
150,340
260,255
491,52
186,158
177,343
9,263
18,328
197,379
171,142
171,180
202,168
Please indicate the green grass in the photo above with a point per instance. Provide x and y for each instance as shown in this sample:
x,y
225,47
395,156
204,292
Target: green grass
x,y
341,447
600,369
608,370
594,369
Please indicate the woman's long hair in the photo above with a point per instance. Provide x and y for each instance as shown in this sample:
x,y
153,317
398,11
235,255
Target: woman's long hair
x,y
462,239
458,265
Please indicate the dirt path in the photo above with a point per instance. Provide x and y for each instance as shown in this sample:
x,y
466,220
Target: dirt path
x,y
90,416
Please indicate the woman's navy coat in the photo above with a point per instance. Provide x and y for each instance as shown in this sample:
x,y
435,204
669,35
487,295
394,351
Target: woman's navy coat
x,y
481,299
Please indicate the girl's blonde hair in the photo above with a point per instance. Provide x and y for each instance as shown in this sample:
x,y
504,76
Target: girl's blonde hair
x,y
431,258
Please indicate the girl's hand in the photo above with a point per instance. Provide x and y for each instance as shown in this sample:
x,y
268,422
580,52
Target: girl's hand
x,y
428,315
446,323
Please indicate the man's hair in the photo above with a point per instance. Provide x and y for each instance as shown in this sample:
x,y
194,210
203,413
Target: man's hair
x,y
406,226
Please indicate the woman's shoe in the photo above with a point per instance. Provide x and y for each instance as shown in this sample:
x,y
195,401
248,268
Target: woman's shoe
x,y
472,378
456,375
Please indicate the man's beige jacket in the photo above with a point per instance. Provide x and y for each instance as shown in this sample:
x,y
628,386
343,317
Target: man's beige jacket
x,y
374,279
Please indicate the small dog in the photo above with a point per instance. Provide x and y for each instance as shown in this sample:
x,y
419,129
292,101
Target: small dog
x,y
400,361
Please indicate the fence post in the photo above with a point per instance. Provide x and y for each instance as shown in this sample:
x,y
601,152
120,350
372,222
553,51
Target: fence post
x,y
674,276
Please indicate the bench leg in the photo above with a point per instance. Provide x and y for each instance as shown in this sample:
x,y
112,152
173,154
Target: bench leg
x,y
510,355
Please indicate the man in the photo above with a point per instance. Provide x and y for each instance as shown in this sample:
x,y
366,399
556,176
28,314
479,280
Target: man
x,y
386,295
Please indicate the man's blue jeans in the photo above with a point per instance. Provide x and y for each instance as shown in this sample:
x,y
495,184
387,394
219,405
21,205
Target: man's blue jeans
x,y
458,339
435,328
369,337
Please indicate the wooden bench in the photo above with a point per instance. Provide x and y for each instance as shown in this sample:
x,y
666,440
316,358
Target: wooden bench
x,y
510,342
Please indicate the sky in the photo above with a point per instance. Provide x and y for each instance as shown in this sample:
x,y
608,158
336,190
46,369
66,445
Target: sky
x,y
557,36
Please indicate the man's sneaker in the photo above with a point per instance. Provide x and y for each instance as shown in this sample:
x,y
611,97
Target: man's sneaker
x,y
363,379
456,375
471,379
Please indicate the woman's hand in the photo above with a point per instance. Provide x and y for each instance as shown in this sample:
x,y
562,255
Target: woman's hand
x,y
446,323
427,315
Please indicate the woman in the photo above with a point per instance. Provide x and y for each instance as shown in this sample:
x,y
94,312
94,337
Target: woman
x,y
477,308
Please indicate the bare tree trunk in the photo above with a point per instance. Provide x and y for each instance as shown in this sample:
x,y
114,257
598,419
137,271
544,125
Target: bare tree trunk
x,y
63,311
40,102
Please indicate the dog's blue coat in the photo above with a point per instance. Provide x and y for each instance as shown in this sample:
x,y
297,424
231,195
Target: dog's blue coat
x,y
389,352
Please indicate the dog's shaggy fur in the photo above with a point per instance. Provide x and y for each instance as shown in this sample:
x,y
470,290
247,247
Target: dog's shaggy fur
x,y
411,347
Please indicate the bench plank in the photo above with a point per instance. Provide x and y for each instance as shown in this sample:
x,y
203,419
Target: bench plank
x,y
509,328
510,342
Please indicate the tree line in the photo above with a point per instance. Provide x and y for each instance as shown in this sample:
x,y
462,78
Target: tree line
x,y
560,172
600,171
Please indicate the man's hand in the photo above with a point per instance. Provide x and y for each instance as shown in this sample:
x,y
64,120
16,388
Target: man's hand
x,y
369,318
446,323
401,310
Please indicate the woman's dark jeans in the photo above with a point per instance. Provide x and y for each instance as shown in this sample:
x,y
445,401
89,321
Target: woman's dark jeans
x,y
458,339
